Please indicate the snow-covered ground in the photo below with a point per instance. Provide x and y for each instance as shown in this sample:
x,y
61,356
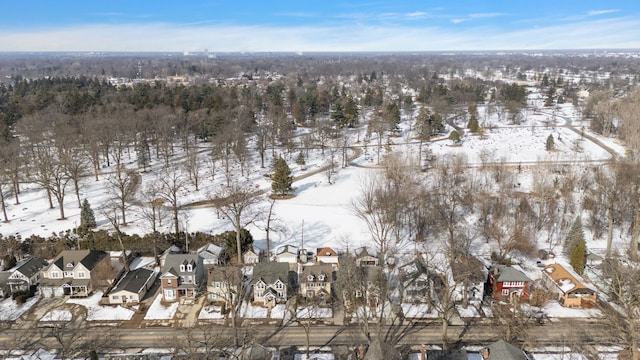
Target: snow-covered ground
x,y
161,311
97,312
10,310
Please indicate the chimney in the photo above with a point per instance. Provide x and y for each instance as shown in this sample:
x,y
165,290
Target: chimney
x,y
495,270
423,352
485,353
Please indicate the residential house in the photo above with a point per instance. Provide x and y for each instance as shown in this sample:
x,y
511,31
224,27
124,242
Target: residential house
x,y
502,350
271,283
327,255
506,282
469,275
572,290
417,284
211,254
182,276
224,283
316,282
287,254
26,274
250,257
363,258
361,285
71,273
132,287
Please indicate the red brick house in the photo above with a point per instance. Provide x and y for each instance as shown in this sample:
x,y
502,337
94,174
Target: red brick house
x,y
506,282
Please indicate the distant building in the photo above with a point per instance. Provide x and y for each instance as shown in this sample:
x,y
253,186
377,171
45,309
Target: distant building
x,y
271,283
326,255
316,281
287,254
250,257
26,274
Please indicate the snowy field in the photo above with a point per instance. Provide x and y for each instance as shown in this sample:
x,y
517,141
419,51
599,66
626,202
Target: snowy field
x,y
161,311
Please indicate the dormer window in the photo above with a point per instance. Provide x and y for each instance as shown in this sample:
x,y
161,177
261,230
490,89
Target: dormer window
x,y
70,265
310,278
321,277
189,267
182,268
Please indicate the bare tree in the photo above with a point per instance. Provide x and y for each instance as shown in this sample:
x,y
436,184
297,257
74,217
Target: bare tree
x,y
237,203
123,186
170,185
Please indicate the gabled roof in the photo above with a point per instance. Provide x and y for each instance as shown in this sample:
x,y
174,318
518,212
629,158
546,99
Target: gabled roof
x,y
508,273
318,269
31,267
288,249
210,249
230,274
502,350
271,272
566,279
88,258
363,252
134,281
326,251
172,263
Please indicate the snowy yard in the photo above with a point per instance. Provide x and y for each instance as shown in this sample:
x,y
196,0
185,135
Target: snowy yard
x,y
57,315
97,312
11,311
160,311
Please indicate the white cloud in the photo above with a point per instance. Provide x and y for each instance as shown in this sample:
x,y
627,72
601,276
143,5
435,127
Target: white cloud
x,y
486,15
417,14
623,32
458,21
601,12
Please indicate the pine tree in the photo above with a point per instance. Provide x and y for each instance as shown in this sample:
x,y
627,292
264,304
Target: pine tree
x,y
300,159
473,125
87,218
550,143
281,180
454,136
143,154
578,257
574,237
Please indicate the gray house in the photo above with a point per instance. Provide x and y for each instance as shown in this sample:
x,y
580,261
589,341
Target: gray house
x,y
26,274
182,276
271,283
132,287
71,272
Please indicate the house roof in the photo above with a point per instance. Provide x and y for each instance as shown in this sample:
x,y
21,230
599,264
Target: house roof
x,y
271,272
326,251
288,249
566,279
209,250
363,252
172,263
88,258
318,269
232,274
134,281
32,266
508,273
502,350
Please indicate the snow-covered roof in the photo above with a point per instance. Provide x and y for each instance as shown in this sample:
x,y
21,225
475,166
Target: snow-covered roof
x,y
566,279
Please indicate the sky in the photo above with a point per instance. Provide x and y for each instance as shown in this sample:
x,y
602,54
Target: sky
x,y
328,25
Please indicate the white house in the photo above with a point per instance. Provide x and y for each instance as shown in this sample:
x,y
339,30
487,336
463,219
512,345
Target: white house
x,y
70,273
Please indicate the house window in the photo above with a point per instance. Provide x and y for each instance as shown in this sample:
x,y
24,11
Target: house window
x,y
279,285
68,274
281,294
55,274
181,268
310,278
81,275
260,285
115,297
168,281
189,268
321,277
505,292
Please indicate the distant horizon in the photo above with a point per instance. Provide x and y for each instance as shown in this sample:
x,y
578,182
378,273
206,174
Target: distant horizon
x,y
329,26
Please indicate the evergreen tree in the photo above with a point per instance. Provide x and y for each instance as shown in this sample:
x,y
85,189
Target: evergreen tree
x,y
228,240
143,154
87,217
574,237
455,137
281,179
423,124
436,123
578,257
473,125
550,143
300,159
